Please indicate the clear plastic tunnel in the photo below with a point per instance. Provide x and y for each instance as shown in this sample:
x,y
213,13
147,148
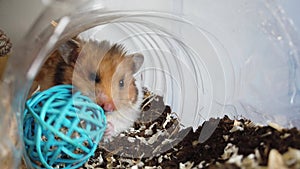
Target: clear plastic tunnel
x,y
207,59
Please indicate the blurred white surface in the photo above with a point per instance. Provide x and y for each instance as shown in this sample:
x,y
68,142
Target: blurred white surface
x,y
17,16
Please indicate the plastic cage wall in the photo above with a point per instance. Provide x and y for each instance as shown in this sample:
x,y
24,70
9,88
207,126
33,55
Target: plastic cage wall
x,y
207,59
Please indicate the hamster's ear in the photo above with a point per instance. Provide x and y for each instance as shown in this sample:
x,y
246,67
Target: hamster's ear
x,y
138,60
70,50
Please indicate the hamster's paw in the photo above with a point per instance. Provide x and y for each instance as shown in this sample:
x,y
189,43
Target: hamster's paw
x,y
109,132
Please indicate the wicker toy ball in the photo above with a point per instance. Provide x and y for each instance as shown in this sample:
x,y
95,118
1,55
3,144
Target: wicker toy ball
x,y
61,128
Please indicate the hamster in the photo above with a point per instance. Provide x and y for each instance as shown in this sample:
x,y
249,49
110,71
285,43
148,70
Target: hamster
x,y
102,71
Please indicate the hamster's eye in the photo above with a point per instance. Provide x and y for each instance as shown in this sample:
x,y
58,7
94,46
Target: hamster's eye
x,y
94,77
121,83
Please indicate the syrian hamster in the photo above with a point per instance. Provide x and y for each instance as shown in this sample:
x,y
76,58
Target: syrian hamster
x,y
102,71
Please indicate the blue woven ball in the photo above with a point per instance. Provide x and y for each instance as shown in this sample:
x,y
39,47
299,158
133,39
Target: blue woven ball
x,y
61,128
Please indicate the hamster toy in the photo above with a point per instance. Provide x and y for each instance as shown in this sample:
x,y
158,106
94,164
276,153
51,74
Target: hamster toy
x,y
102,71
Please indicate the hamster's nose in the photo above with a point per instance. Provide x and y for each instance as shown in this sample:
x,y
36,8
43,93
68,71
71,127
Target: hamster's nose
x,y
105,102
108,107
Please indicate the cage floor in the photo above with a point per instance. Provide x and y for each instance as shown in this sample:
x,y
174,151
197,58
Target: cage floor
x,y
157,140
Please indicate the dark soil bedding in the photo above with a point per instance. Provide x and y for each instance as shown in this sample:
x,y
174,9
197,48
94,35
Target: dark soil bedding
x,y
157,140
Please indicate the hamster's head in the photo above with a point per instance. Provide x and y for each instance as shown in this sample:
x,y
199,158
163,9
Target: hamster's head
x,y
104,72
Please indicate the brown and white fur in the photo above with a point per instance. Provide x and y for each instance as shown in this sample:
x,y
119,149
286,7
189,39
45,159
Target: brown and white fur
x,y
101,71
